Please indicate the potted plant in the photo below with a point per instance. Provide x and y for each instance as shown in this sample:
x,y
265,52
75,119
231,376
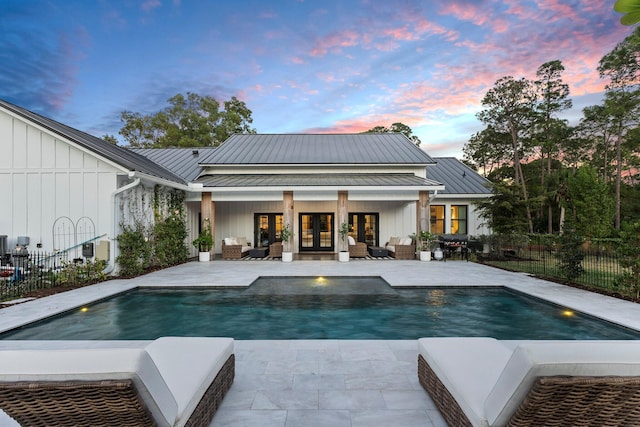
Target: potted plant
x,y
426,239
343,255
286,234
204,243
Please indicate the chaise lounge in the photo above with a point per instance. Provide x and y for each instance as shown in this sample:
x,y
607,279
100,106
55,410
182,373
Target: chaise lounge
x,y
168,382
486,382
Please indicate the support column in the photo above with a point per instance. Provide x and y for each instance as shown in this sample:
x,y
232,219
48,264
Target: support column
x,y
207,209
343,215
423,212
287,215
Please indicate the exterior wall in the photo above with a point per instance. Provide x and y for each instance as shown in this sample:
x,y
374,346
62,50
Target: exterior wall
x,y
475,225
44,178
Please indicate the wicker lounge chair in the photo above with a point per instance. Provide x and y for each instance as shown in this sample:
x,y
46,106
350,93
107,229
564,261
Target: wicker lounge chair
x,y
485,382
275,250
358,250
169,382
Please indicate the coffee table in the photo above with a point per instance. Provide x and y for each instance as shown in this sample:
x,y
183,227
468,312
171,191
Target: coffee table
x,y
377,251
259,252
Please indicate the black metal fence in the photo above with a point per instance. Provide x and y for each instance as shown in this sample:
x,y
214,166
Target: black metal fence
x,y
22,273
597,261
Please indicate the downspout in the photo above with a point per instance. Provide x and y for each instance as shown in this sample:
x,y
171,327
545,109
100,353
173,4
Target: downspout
x,y
435,193
114,195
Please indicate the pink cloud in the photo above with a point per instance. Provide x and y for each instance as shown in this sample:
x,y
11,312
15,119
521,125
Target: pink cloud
x,y
334,42
402,33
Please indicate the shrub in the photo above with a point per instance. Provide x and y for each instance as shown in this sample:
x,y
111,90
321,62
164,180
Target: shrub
x,y
570,254
135,250
628,283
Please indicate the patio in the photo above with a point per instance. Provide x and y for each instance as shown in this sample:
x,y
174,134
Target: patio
x,y
325,382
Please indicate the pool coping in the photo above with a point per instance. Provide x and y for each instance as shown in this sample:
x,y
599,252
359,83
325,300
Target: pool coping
x,y
399,274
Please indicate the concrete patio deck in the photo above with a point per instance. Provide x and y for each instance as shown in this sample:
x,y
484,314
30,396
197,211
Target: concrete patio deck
x,y
325,382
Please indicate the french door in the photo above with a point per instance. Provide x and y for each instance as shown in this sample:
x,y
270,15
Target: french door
x,y
267,229
316,232
364,228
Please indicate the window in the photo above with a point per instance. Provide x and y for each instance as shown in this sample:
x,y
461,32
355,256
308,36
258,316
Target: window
x,y
459,219
437,219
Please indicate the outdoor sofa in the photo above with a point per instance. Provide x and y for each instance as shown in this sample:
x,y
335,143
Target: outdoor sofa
x,y
486,382
168,382
401,247
235,247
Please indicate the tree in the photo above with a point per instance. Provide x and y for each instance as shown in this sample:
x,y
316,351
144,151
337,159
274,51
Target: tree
x,y
110,139
622,98
488,150
553,96
191,121
509,107
397,128
590,203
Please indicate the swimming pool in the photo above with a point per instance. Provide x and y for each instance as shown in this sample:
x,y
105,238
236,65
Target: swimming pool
x,y
321,308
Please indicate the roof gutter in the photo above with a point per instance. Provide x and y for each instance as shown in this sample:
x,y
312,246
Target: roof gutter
x,y
112,254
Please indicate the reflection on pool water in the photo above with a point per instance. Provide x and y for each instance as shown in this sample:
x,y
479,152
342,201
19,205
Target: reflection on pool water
x,y
322,308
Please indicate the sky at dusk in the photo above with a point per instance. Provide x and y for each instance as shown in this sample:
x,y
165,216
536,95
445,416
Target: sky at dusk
x,y
301,66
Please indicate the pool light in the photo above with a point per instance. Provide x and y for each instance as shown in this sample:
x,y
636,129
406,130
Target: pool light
x,y
84,309
568,313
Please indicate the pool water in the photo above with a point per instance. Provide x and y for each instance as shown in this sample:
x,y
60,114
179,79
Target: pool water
x,y
279,308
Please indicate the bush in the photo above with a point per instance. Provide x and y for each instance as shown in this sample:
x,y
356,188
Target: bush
x,y
570,254
628,283
168,241
135,250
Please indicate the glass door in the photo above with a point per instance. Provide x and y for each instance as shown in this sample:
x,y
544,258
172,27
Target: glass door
x,y
363,227
267,229
316,232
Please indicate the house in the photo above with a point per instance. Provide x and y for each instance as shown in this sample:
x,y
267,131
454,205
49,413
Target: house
x,y
65,188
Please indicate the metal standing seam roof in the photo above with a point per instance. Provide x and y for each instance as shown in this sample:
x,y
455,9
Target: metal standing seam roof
x,y
318,149
121,156
184,162
457,177
315,180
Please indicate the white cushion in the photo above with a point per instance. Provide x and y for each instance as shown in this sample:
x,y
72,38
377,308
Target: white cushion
x,y
95,364
549,358
394,241
468,368
242,241
246,249
390,248
188,366
406,241
351,240
227,241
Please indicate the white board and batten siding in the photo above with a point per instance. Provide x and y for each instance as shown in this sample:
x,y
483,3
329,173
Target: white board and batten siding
x,y
43,178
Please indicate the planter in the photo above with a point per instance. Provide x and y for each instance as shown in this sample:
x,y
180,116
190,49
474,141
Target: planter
x,y
204,256
287,256
425,255
343,256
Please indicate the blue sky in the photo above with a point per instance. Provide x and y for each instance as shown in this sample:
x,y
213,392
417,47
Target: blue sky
x,y
299,65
